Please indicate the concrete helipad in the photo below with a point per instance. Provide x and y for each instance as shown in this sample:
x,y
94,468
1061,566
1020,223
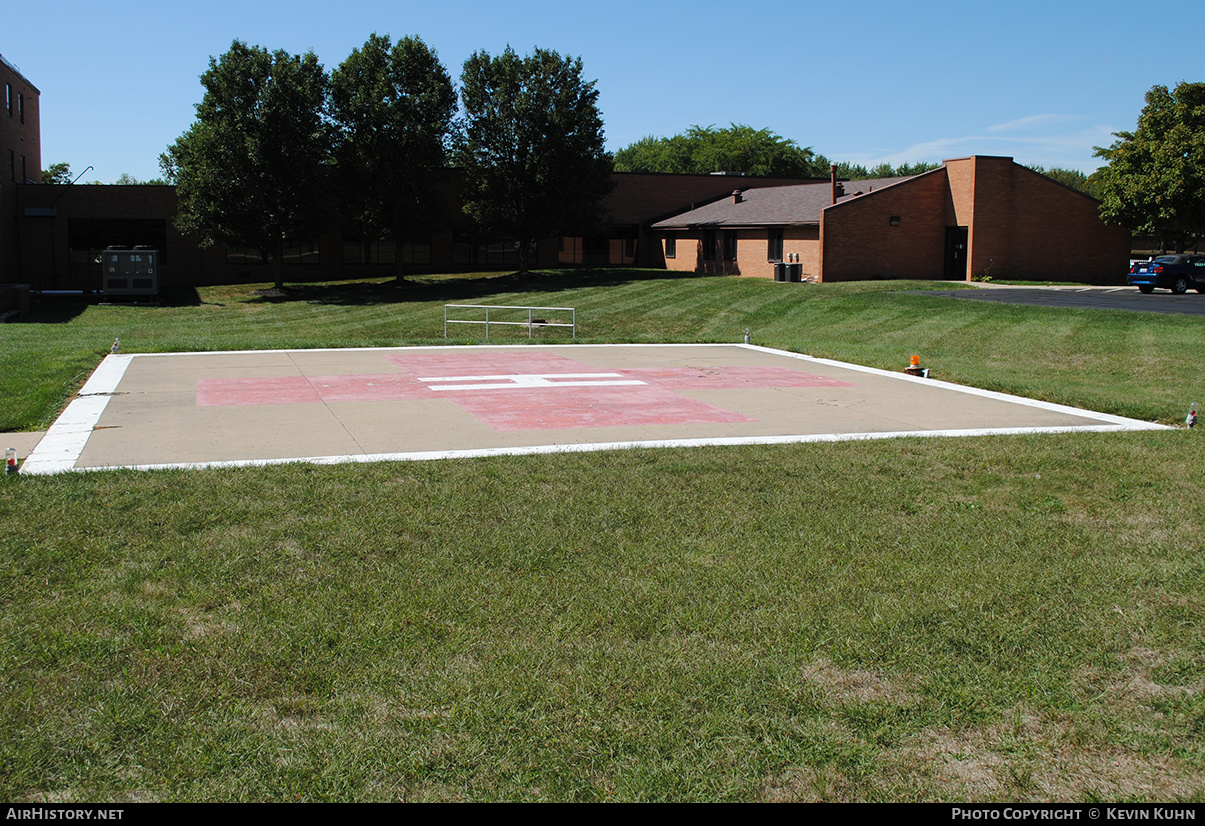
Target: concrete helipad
x,y
358,405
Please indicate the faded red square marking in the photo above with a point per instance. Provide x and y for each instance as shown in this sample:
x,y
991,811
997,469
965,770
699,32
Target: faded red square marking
x,y
567,407
270,390
524,391
729,378
489,362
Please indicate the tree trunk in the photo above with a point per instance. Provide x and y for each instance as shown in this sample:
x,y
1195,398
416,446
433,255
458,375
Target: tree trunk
x,y
399,261
278,264
524,249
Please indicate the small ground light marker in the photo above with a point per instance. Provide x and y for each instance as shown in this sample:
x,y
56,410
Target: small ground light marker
x,y
914,368
10,460
746,335
116,345
1191,419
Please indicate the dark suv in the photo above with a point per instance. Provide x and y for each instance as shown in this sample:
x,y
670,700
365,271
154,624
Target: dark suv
x,y
1177,273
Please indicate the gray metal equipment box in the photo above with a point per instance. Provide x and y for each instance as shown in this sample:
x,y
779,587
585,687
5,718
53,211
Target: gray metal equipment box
x,y
130,271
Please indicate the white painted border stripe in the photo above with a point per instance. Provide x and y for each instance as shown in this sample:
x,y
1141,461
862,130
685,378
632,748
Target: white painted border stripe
x,y
1129,424
721,441
107,375
63,443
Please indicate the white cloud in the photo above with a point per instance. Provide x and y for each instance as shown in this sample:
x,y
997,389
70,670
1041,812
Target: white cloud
x,y
1066,149
1029,121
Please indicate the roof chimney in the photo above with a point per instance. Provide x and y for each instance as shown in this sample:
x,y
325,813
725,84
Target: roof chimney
x,y
832,178
736,196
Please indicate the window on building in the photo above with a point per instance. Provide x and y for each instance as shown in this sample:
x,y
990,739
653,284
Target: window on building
x,y
21,107
8,98
596,250
24,172
774,246
629,248
416,252
87,238
295,252
243,255
709,245
357,250
12,165
730,245
671,246
300,252
462,247
503,251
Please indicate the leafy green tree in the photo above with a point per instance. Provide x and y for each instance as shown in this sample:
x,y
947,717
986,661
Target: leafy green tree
x,y
532,147
852,171
392,105
57,173
1154,181
737,148
906,169
1071,178
126,179
247,170
858,172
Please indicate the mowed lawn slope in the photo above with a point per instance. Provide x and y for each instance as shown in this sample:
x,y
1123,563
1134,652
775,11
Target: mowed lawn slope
x,y
1000,618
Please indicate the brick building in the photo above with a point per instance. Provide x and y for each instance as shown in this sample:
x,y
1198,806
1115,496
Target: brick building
x,y
61,231
970,217
20,154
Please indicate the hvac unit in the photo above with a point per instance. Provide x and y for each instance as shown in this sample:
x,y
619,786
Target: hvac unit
x,y
130,272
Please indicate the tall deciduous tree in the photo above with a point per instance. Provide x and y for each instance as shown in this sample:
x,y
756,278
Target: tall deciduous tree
x,y
1154,182
1071,178
57,173
737,148
248,169
532,147
392,105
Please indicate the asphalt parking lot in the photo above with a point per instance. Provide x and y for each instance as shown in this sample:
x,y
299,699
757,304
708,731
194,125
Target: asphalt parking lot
x,y
1086,298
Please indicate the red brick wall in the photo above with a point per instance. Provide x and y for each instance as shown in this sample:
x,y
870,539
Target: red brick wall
x,y
690,256
1082,248
857,240
751,253
1027,227
805,242
686,257
23,139
753,247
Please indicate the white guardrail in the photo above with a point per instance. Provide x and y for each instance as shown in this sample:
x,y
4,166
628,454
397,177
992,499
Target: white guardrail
x,y
531,321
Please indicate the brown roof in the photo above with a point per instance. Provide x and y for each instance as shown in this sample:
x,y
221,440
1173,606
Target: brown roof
x,y
640,197
782,206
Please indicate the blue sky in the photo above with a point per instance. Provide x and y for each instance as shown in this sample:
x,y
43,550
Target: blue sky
x,y
857,81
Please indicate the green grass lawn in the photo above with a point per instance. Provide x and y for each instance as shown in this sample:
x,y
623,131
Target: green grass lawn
x,y
999,618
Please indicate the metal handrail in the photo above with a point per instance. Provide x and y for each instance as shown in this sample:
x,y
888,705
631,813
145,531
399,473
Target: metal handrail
x,y
529,324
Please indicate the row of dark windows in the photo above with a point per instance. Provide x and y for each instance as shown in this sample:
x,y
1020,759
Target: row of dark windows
x,y
87,238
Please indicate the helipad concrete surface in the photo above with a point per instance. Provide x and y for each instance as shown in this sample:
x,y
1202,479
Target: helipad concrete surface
x,y
359,405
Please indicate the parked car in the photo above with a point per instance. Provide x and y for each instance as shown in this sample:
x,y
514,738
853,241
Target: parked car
x,y
1177,273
